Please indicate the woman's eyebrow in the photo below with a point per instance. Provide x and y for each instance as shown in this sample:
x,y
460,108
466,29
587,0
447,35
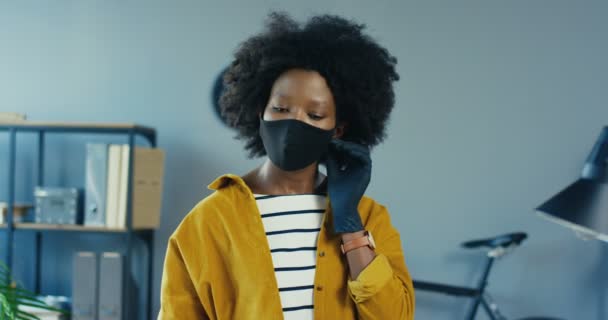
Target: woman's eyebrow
x,y
280,94
322,103
313,102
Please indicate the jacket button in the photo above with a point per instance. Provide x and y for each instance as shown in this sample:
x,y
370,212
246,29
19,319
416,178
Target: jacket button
x,y
322,254
319,288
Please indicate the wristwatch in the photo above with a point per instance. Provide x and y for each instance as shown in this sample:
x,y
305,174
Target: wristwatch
x,y
366,240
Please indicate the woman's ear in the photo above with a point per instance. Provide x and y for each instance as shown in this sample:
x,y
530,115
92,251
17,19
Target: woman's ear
x,y
262,111
339,131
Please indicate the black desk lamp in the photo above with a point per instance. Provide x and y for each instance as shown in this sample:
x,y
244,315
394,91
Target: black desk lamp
x,y
583,205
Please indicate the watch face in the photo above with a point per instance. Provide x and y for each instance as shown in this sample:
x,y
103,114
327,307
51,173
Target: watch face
x,y
216,93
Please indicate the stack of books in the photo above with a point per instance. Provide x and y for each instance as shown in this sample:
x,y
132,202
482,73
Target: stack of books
x,y
42,314
19,212
11,117
107,173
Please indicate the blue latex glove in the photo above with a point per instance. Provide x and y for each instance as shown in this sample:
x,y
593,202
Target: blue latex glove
x,y
349,169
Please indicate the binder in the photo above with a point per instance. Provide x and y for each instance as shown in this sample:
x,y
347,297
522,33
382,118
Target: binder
x,y
148,171
110,286
84,286
107,170
113,185
121,221
96,184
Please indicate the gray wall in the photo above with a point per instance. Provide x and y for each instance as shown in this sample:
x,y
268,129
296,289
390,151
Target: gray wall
x,y
498,105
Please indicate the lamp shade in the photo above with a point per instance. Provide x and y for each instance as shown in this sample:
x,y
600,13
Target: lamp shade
x,y
583,205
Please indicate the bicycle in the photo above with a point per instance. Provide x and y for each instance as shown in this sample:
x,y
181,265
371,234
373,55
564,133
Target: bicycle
x,y
498,247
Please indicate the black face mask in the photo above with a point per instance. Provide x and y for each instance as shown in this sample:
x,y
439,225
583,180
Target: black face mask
x,y
293,144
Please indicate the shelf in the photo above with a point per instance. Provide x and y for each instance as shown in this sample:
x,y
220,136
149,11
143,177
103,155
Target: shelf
x,y
66,227
132,236
71,125
82,127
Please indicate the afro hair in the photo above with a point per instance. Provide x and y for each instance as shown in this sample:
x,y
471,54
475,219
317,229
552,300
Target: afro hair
x,y
359,72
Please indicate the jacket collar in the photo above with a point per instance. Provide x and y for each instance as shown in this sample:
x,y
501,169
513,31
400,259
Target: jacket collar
x,y
226,180
230,179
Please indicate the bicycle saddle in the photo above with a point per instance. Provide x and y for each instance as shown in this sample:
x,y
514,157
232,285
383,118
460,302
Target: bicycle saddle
x,y
504,241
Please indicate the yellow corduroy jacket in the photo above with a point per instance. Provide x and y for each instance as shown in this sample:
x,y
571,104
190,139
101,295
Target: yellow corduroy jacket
x,y
218,265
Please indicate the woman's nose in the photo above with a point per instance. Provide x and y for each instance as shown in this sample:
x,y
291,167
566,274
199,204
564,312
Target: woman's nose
x,y
300,115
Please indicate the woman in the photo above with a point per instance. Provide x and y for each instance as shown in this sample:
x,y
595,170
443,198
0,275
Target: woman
x,y
285,241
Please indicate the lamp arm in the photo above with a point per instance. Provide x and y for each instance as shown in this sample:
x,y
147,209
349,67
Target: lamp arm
x,y
595,165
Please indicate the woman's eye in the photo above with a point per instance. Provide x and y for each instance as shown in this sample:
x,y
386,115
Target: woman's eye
x,y
279,109
315,117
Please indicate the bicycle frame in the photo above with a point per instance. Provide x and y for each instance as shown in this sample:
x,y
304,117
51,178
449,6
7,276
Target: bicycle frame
x,y
498,247
480,298
477,293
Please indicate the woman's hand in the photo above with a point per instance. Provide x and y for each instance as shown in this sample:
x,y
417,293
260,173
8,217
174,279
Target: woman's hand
x,y
349,168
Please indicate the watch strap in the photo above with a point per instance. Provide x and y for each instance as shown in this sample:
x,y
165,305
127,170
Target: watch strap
x,y
356,243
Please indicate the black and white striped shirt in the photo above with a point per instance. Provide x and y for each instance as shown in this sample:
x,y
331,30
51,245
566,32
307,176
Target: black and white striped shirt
x,y
292,224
